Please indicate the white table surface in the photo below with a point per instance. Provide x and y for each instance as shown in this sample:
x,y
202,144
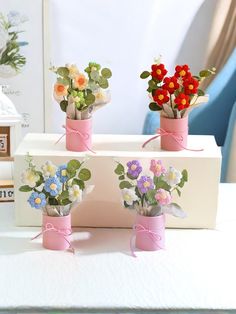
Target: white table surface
x,y
197,271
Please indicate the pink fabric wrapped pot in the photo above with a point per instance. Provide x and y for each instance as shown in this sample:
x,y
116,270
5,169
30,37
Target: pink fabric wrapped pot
x,y
78,135
56,232
150,233
178,129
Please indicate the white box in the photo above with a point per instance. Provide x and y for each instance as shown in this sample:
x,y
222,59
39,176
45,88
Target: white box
x,y
102,208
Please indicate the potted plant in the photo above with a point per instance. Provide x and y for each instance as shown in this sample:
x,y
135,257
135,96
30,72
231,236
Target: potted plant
x,y
152,197
53,190
79,95
174,97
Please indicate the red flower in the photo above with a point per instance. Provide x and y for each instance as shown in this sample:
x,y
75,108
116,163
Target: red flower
x,y
182,101
171,84
161,96
182,71
158,71
190,85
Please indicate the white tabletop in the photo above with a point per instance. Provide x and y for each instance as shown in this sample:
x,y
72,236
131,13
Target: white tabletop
x,y
197,271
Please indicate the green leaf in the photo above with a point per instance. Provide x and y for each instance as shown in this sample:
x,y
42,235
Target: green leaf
x,y
154,106
125,184
144,74
137,192
161,185
95,76
151,197
126,205
63,105
89,99
181,184
63,80
63,71
200,92
106,73
63,195
84,174
152,84
196,77
205,73
122,177
103,82
130,177
66,201
25,188
78,182
120,169
178,191
73,165
185,175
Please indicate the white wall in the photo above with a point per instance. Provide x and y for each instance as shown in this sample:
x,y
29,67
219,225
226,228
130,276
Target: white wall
x,y
125,35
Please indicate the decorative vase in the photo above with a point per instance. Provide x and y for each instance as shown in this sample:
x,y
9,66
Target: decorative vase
x,y
78,135
174,133
56,232
150,232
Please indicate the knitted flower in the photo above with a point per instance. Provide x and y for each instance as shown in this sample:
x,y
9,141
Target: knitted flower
x,y
80,81
134,168
62,173
129,196
182,71
158,71
190,86
161,96
182,101
60,89
172,176
49,169
145,184
170,84
37,200
157,167
30,177
163,197
75,193
53,186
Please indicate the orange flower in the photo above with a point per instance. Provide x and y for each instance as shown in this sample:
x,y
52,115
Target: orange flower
x,y
80,82
60,89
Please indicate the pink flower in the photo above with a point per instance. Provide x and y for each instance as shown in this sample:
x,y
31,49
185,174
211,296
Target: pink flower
x,y
157,168
163,197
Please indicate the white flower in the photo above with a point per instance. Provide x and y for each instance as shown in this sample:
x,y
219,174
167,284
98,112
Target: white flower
x,y
172,176
102,97
3,38
75,194
30,178
49,169
129,196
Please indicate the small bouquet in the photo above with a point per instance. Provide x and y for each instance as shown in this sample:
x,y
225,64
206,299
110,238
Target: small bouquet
x,y
174,96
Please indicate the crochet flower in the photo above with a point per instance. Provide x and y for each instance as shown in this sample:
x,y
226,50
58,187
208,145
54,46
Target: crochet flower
x,y
157,167
161,96
163,197
30,177
49,169
182,71
75,193
158,71
145,184
37,200
172,176
62,173
182,101
134,168
52,186
80,81
190,86
60,89
129,196
170,84
73,70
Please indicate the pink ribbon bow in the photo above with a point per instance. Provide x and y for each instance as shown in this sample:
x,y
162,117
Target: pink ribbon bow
x,y
63,232
176,137
83,136
138,228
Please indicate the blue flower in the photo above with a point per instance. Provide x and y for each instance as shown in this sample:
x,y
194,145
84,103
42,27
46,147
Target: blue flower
x,y
62,173
53,186
37,200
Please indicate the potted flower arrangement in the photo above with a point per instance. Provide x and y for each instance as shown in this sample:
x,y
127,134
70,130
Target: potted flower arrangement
x,y
79,95
174,96
151,197
53,191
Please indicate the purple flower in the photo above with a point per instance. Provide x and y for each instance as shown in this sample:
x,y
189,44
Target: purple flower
x,y
145,184
134,168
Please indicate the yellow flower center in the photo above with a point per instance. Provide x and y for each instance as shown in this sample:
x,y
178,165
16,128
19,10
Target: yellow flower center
x,y
190,86
182,73
158,167
183,101
76,193
63,172
158,72
53,186
172,176
171,85
127,198
38,200
160,97
146,184
133,167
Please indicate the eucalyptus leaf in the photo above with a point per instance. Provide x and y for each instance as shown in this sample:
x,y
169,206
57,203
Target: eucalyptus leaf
x,y
73,165
63,71
63,105
103,82
84,174
95,76
106,73
89,99
78,182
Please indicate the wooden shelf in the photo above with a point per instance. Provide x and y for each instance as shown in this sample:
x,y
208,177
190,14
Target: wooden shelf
x,y
6,158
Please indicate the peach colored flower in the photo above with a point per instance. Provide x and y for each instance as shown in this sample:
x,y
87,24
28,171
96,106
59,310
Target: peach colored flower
x,y
80,82
60,89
